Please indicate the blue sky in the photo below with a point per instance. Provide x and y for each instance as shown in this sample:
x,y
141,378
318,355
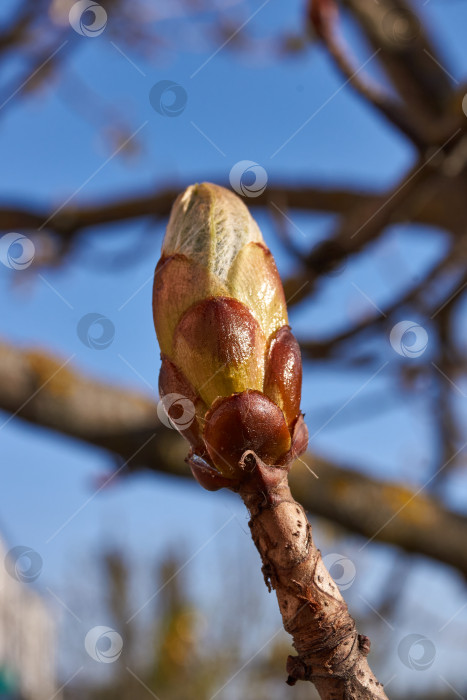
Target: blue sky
x,y
246,107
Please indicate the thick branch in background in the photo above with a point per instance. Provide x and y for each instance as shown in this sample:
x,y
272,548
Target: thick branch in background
x,y
42,389
431,197
444,211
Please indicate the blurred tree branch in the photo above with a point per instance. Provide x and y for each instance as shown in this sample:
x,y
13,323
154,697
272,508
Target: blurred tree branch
x,y
37,387
323,17
413,206
410,60
409,56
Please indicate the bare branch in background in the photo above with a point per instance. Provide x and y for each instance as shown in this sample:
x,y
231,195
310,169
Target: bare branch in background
x,y
324,17
47,391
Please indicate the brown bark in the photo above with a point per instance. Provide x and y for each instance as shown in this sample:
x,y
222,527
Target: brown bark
x,y
331,654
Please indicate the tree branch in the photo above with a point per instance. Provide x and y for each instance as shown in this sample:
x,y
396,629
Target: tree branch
x,y
409,57
454,258
330,652
40,388
366,221
420,208
323,15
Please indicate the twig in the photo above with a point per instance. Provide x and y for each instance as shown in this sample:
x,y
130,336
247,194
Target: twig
x,y
331,654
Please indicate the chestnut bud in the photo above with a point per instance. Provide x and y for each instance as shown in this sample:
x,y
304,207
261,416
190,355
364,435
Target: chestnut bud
x,y
221,321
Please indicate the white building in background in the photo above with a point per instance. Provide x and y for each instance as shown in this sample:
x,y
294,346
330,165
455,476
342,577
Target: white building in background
x,y
27,640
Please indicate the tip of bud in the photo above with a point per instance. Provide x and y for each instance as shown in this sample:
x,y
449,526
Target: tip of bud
x,y
210,225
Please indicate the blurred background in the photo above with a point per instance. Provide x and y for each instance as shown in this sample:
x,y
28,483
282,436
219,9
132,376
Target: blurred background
x,y
343,127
